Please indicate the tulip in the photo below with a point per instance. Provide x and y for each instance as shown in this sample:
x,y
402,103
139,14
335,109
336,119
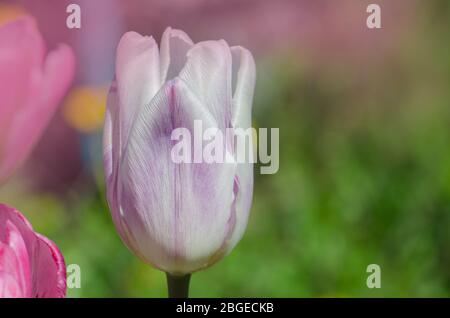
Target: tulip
x,y
30,264
178,217
31,87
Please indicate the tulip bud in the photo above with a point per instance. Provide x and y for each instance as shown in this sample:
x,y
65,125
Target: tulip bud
x,y
179,217
30,264
31,87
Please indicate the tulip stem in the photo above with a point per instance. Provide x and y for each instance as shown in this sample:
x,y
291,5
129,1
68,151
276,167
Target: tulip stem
x,y
178,286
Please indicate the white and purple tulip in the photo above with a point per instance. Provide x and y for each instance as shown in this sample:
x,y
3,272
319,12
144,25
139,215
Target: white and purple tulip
x,y
179,217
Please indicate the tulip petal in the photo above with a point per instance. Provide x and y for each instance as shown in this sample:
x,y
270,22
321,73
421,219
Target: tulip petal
x,y
112,143
14,77
174,47
208,75
20,43
112,151
14,258
110,133
50,270
137,74
22,35
244,75
173,207
21,51
9,287
32,94
47,277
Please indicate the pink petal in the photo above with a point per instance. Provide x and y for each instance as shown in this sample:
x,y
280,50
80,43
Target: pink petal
x,y
46,274
49,279
21,51
14,258
9,287
22,35
33,94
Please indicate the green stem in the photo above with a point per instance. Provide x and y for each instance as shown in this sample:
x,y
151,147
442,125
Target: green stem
x,y
178,286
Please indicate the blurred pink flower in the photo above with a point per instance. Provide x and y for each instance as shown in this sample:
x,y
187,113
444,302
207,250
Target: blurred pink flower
x,y
320,31
30,264
31,87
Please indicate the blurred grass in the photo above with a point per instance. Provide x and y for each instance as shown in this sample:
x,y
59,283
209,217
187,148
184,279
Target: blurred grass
x,y
364,178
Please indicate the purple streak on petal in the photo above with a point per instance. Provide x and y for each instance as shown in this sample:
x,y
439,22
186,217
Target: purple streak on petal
x,y
170,207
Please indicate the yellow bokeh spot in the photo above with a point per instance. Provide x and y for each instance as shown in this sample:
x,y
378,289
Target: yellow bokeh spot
x,y
9,12
85,107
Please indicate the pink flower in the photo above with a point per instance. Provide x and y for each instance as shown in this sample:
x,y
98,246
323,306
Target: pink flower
x,y
31,87
30,264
